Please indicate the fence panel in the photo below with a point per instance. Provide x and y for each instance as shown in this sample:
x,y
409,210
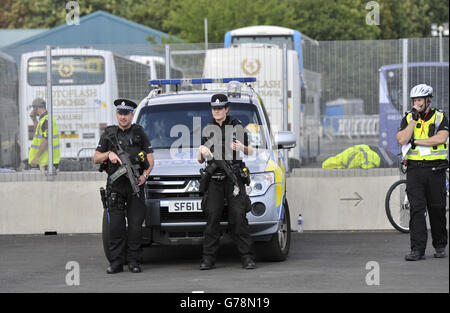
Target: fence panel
x,y
352,93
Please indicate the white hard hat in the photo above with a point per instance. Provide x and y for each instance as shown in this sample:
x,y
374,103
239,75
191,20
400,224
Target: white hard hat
x,y
421,90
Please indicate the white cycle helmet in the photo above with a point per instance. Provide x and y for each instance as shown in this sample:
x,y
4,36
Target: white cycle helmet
x,y
421,91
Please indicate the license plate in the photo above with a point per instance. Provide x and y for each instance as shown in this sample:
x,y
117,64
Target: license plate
x,y
181,206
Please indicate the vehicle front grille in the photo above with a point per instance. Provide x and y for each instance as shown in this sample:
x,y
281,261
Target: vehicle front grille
x,y
160,187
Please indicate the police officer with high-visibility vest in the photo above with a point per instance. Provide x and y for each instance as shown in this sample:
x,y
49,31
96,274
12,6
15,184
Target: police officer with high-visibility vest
x,y
426,130
38,153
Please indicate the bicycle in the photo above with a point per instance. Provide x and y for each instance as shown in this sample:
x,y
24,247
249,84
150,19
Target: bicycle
x,y
397,205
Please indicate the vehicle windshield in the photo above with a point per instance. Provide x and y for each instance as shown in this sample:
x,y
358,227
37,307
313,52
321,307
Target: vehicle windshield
x,y
278,40
180,125
67,70
435,76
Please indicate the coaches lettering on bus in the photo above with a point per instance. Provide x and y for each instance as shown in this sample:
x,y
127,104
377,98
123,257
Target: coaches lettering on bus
x,y
38,154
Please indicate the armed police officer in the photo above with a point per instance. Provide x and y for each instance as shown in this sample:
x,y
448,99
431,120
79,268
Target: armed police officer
x,y
223,139
426,130
126,154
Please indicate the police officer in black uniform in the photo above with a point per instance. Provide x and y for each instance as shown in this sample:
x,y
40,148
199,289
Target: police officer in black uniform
x,y
228,137
125,244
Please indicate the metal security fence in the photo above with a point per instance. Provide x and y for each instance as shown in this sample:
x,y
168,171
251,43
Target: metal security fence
x,y
354,91
349,92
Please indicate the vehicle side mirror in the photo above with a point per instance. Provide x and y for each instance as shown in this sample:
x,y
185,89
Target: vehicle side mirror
x,y
285,140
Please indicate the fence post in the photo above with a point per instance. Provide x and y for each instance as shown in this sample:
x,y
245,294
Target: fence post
x,y
405,75
51,172
167,66
285,100
206,33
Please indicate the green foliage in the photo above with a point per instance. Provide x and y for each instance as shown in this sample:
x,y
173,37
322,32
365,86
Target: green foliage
x,y
319,19
325,20
186,19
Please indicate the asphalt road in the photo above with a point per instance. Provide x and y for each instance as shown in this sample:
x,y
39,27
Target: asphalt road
x,y
318,262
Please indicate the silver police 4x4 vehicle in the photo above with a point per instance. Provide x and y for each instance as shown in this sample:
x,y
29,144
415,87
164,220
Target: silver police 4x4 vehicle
x,y
174,122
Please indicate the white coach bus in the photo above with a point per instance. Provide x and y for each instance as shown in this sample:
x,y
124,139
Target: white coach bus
x,y
265,63
157,66
85,82
9,113
305,122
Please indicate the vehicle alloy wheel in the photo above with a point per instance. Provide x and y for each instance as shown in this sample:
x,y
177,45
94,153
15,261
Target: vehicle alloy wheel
x,y
277,248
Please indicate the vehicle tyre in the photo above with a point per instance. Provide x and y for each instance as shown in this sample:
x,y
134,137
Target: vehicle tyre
x,y
105,235
397,206
277,248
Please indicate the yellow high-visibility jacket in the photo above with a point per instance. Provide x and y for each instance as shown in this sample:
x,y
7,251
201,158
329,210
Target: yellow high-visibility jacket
x,y
39,136
359,156
429,153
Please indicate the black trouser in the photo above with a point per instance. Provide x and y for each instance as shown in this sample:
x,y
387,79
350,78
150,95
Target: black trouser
x,y
125,244
426,191
237,220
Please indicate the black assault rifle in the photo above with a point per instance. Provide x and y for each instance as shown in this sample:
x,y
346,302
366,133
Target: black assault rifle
x,y
226,167
126,167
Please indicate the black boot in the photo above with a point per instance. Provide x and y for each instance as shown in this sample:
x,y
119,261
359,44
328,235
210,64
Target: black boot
x,y
248,263
440,253
415,255
134,268
207,263
114,268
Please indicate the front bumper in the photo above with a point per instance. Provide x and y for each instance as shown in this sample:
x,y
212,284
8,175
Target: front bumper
x,y
180,227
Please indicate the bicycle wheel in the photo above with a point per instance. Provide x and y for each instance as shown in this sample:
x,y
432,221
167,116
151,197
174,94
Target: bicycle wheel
x,y
397,206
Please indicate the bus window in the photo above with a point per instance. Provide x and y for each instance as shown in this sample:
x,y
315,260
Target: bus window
x,y
430,75
174,73
160,70
132,79
274,40
67,70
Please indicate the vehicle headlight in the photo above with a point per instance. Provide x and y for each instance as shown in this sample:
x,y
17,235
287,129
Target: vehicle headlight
x,y
260,182
193,186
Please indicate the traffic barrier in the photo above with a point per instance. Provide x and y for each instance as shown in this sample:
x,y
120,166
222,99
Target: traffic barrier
x,y
351,126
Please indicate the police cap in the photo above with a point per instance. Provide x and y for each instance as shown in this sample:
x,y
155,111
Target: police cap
x,y
125,106
219,101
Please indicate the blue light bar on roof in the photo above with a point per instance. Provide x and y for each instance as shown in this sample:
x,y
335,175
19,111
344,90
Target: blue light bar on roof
x,y
201,81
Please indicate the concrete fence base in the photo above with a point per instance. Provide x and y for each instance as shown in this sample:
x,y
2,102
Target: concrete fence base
x,y
71,203
339,203
65,205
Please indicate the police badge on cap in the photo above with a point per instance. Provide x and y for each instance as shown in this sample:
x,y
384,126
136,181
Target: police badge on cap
x,y
219,101
124,106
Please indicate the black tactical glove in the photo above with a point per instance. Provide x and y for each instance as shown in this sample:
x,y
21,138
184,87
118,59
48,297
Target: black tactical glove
x,y
415,114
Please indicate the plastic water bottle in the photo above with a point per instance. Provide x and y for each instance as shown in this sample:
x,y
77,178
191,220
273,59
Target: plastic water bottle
x,y
300,224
